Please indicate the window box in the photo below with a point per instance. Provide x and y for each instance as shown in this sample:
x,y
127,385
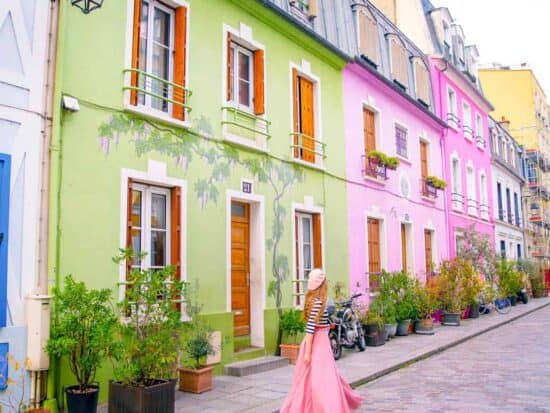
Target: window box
x,y
436,182
390,162
374,168
428,190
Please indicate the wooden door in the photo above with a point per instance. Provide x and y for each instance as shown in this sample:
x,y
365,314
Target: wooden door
x,y
404,246
307,124
374,245
424,159
240,267
428,250
369,131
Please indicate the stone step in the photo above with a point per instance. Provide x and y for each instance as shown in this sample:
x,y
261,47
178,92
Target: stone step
x,y
259,365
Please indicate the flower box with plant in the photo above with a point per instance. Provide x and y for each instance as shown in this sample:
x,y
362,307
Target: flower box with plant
x,y
390,162
436,182
450,289
471,286
426,303
292,325
196,376
82,331
148,340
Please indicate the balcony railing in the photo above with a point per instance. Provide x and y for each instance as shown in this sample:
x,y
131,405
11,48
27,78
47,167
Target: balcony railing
x,y
468,132
373,168
480,141
453,120
427,189
155,92
457,201
307,148
484,211
245,123
472,206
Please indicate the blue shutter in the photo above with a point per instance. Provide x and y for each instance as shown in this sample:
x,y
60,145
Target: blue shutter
x,y
4,219
4,348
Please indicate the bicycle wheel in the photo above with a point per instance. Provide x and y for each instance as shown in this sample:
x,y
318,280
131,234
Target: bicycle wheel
x,y
503,306
484,309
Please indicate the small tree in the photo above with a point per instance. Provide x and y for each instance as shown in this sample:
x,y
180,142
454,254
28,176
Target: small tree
x,y
478,250
449,284
292,324
82,329
426,300
150,337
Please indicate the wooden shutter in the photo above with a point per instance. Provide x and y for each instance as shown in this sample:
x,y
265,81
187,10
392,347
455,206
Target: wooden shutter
x,y
428,250
368,36
259,104
307,126
295,110
424,159
317,242
129,224
298,252
229,70
399,62
404,247
135,51
369,130
374,245
422,82
180,47
175,234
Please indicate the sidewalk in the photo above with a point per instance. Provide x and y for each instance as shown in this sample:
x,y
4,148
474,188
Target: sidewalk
x,y
264,392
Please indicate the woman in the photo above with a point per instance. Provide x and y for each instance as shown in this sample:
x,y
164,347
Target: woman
x,y
317,387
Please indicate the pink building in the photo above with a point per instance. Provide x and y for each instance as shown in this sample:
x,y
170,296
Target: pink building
x,y
396,218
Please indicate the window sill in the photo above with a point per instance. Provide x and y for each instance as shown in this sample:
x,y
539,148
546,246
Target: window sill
x,y
157,116
469,138
429,199
406,161
453,127
374,180
245,142
310,165
481,147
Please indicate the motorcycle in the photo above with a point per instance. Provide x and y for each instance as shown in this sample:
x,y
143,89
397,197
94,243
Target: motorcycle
x,y
345,328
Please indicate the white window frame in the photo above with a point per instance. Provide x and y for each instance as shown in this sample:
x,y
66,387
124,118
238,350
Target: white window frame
x,y
146,229
458,205
471,189
452,107
402,126
483,194
152,4
479,129
467,120
237,48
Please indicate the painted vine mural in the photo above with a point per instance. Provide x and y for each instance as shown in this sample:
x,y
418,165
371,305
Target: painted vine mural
x,y
186,146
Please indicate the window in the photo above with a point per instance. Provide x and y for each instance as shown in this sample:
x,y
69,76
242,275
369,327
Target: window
x,y
518,251
373,242
369,130
512,159
245,76
516,209
483,203
499,202
452,116
456,185
480,135
158,57
471,191
447,38
467,120
422,82
308,249
424,159
399,62
509,205
503,249
460,49
428,254
305,146
368,36
401,141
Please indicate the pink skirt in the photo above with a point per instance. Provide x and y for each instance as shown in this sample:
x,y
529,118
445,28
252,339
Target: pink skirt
x,y
317,387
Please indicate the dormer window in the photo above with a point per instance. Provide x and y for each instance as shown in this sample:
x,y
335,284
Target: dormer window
x,y
307,8
422,82
460,49
398,61
368,36
447,42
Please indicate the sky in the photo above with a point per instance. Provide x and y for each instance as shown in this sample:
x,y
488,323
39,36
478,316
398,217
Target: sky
x,y
509,32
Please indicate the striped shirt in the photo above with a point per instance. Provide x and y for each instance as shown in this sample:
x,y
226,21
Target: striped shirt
x,y
323,320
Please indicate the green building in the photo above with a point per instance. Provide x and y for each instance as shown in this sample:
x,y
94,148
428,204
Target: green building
x,y
210,135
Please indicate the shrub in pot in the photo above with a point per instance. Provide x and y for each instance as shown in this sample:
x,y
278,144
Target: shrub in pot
x,y
374,328
291,325
426,303
149,340
509,280
450,289
389,316
82,331
471,287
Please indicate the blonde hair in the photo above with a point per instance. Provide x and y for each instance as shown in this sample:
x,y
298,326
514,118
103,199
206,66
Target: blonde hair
x,y
320,293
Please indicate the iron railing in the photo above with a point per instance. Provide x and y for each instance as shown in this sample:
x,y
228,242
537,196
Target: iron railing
x,y
468,132
373,168
307,148
457,201
484,211
427,189
480,141
453,119
239,118
471,206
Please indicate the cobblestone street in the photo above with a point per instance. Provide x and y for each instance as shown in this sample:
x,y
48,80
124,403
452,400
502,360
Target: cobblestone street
x,y
505,370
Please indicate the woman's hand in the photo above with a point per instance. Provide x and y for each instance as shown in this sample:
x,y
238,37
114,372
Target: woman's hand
x,y
307,357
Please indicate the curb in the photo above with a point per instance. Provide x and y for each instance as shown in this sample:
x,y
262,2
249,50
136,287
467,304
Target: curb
x,y
440,349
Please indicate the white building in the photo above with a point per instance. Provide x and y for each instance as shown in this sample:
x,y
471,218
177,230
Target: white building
x,y
25,26
508,179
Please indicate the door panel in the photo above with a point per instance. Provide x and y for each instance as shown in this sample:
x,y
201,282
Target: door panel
x,y
369,131
240,268
424,159
374,245
428,250
404,247
307,125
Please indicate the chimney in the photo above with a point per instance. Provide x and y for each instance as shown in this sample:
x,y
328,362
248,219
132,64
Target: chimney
x,y
505,124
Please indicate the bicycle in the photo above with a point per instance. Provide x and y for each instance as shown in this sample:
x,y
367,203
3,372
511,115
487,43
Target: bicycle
x,y
501,305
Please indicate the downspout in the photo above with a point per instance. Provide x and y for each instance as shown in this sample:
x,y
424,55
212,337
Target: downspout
x,y
38,302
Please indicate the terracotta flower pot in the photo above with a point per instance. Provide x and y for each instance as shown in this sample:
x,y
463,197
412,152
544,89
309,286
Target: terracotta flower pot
x,y
195,380
290,351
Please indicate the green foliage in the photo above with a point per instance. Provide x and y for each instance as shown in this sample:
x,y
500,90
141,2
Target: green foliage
x,y
292,324
375,313
509,280
471,286
389,315
450,288
197,342
478,250
397,288
149,337
426,299
391,162
82,328
436,182
339,291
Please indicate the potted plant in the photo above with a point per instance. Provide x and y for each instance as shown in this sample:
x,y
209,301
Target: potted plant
x,y
292,324
436,182
509,280
390,323
450,289
426,304
374,328
82,331
149,339
471,287
390,162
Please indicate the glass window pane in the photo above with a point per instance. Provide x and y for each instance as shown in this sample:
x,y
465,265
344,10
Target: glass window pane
x,y
136,208
142,61
307,258
306,228
161,29
136,245
238,210
244,66
244,93
158,211
158,249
